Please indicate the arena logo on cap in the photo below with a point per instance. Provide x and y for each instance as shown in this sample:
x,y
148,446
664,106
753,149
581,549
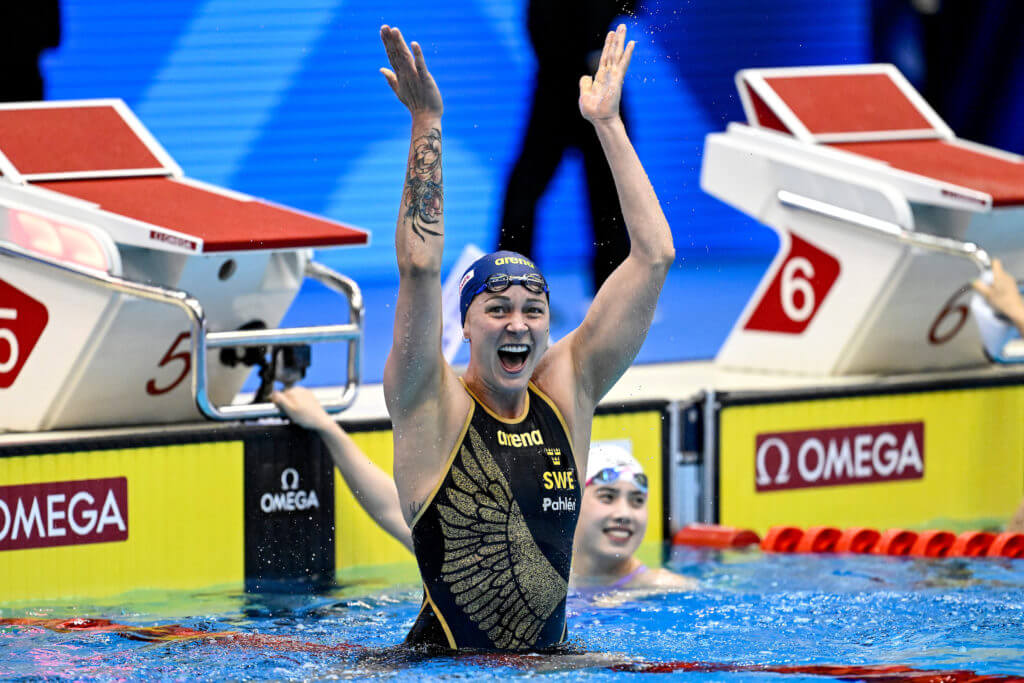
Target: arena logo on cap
x,y
836,457
505,260
63,513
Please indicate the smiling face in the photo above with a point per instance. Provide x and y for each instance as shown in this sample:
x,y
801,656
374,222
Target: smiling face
x,y
613,520
508,334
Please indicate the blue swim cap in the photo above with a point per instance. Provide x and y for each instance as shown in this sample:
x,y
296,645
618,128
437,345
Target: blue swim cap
x,y
498,262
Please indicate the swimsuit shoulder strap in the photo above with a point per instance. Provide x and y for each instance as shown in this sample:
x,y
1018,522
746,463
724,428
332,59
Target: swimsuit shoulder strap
x,y
624,580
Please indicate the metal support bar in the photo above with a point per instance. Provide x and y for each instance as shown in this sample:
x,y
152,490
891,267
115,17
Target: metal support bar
x,y
709,480
675,492
348,288
887,228
202,340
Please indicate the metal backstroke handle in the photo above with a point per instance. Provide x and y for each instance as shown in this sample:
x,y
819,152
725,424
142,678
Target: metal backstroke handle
x,y
998,334
203,340
351,332
924,241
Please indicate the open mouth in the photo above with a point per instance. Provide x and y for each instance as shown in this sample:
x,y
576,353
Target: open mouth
x,y
513,356
619,534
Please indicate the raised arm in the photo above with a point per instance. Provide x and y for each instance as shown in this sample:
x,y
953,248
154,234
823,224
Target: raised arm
x,y
414,367
611,334
374,490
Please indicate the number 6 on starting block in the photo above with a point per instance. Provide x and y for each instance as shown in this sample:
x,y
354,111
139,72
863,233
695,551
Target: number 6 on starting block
x,y
797,291
846,296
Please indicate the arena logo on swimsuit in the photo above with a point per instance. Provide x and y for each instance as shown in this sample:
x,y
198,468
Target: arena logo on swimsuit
x,y
831,457
533,438
63,513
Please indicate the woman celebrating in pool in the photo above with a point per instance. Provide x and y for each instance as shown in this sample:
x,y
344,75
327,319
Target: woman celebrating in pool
x,y
487,467
613,511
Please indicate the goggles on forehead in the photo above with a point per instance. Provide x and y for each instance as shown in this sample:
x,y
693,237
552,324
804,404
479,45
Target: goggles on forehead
x,y
610,475
499,282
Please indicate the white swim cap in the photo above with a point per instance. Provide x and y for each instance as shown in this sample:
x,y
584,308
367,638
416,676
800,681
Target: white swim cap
x,y
610,455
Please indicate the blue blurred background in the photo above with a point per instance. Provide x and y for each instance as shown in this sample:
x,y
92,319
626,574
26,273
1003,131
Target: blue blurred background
x,y
283,100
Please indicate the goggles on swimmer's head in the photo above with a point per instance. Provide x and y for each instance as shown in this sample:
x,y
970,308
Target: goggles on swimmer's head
x,y
610,475
497,272
499,282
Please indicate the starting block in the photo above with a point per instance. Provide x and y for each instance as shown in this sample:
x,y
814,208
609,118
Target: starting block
x,y
884,218
126,288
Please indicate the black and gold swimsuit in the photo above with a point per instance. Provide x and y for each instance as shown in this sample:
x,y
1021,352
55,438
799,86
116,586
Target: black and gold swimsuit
x,y
494,539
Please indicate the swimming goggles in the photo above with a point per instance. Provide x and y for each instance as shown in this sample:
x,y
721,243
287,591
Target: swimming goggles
x,y
499,282
610,475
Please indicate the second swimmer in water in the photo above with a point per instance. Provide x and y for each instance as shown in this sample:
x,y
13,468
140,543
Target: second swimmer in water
x,y
613,514
612,524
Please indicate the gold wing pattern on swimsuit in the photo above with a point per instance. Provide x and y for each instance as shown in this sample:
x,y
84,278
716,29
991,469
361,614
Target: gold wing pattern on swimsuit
x,y
492,565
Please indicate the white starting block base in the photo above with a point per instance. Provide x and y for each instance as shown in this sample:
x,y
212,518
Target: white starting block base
x,y
122,281
873,199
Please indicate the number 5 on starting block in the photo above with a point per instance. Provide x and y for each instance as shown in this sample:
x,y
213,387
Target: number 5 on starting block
x,y
22,320
7,335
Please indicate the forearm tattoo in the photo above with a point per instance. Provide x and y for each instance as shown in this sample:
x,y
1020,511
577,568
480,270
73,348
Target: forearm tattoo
x,y
424,195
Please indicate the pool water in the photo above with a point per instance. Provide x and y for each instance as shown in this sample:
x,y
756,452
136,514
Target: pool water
x,y
758,617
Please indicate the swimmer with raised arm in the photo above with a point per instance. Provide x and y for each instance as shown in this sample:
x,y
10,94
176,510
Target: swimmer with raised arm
x,y
487,466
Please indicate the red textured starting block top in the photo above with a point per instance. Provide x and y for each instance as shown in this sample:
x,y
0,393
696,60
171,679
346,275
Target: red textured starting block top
x,y
846,103
872,111
76,138
223,222
100,152
951,162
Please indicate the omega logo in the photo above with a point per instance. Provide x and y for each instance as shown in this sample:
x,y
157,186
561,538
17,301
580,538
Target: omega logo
x,y
290,498
829,457
63,513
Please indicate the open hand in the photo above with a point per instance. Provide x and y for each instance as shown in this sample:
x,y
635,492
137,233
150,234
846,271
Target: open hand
x,y
1002,294
600,95
408,75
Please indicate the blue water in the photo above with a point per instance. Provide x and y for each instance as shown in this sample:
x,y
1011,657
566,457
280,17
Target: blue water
x,y
754,610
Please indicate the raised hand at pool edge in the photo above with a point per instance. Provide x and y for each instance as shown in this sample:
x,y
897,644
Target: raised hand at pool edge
x,y
374,490
1003,295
